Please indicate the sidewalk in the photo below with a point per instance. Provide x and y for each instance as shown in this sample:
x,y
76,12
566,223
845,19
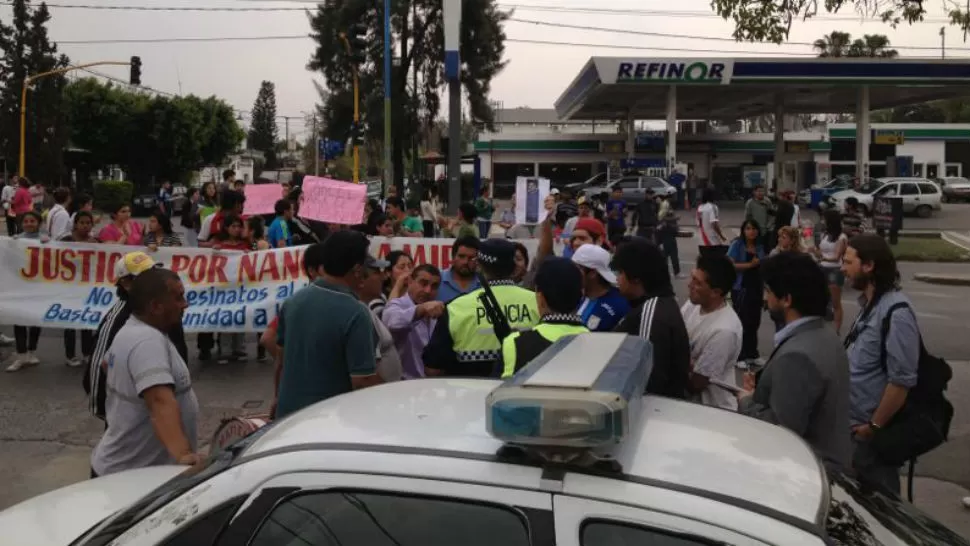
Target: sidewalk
x,y
942,501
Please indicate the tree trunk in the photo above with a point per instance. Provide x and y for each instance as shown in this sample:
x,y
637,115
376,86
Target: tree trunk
x,y
399,106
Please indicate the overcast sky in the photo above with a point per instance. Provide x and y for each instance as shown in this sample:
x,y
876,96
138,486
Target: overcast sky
x,y
535,76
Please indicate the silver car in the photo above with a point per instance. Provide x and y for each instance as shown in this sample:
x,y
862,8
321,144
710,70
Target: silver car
x,y
955,189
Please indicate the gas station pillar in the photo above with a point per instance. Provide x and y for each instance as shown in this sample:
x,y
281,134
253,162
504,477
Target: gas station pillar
x,y
630,135
862,134
779,181
671,129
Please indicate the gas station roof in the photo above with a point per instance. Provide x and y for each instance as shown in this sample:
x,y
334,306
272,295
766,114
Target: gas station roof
x,y
608,88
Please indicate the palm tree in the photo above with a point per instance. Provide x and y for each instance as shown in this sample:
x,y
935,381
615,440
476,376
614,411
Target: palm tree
x,y
834,44
841,44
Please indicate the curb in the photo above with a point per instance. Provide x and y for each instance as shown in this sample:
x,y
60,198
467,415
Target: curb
x,y
948,280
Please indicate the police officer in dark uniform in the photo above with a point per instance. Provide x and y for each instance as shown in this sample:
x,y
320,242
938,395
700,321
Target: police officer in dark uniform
x,y
559,290
463,342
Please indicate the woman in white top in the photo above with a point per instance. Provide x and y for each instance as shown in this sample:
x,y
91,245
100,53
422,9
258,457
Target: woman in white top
x,y
829,252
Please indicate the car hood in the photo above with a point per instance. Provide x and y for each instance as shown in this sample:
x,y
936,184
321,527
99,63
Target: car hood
x,y
61,516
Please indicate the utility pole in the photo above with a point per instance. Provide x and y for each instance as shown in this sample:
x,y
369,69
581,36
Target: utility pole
x,y
316,147
388,160
355,42
452,19
135,63
942,42
414,78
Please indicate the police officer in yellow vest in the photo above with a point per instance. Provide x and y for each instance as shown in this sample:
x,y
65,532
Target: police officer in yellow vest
x,y
559,291
463,342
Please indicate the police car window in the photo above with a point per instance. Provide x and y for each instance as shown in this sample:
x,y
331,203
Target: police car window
x,y
612,533
354,518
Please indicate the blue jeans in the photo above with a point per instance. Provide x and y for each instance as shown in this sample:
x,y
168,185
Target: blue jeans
x,y
668,241
484,227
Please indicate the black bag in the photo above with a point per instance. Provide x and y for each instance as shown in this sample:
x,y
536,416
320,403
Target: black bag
x,y
923,423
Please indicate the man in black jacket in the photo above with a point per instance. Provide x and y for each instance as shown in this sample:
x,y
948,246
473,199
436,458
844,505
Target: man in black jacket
x,y
645,217
642,276
127,268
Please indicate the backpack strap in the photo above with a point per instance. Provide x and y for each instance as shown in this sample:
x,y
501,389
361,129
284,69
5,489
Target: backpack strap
x,y
886,323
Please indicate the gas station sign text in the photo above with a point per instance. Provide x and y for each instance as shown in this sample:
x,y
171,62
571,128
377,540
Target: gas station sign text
x,y
692,71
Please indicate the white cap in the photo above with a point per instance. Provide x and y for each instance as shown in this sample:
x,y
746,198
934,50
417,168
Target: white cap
x,y
595,258
553,191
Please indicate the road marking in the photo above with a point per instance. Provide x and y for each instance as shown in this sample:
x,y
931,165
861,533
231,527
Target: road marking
x,y
928,294
956,239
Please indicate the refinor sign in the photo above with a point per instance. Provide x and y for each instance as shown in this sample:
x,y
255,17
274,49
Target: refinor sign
x,y
690,71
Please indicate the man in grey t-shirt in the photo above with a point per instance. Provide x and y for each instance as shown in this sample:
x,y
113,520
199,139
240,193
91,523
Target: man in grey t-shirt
x,y
151,408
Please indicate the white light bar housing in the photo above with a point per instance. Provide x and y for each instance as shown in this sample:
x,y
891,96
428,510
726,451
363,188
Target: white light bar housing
x,y
583,392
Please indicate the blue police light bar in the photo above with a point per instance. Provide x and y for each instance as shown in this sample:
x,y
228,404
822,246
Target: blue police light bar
x,y
583,392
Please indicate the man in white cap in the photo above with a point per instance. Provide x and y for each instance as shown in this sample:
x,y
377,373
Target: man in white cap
x,y
125,271
603,306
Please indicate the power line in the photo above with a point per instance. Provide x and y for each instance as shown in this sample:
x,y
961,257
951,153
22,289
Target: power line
x,y
123,82
683,36
164,8
642,12
639,12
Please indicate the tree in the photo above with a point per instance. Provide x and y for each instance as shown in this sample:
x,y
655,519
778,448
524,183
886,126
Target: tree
x,y
27,50
152,138
771,20
417,36
840,44
263,132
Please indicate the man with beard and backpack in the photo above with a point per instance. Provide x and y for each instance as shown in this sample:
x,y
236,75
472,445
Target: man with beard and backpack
x,y
897,409
94,382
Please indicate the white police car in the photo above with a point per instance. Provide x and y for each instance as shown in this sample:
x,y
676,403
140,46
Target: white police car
x,y
591,463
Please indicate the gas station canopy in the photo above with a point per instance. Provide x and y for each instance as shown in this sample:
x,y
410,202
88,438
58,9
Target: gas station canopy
x,y
617,88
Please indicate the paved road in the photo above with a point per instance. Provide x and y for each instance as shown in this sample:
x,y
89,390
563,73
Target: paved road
x,y
46,433
953,217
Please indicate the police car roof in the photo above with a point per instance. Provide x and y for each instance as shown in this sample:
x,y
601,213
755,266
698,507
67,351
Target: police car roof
x,y
681,444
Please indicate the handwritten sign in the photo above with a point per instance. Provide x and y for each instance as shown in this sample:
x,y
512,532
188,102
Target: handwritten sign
x,y
262,198
332,201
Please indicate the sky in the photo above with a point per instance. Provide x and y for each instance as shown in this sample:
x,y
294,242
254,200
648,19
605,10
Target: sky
x,y
535,76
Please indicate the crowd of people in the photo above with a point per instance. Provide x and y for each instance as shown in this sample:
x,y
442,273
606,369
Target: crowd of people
x,y
362,320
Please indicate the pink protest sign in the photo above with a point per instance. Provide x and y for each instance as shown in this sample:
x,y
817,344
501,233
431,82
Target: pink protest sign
x,y
333,201
262,198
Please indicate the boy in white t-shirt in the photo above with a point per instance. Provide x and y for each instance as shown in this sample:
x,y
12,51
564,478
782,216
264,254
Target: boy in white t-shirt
x,y
711,239
715,332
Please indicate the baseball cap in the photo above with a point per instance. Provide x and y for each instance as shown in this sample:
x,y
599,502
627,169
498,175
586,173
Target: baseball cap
x,y
554,191
496,251
134,264
591,225
595,258
376,263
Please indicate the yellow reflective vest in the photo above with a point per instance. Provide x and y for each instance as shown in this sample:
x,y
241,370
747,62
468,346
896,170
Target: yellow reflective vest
x,y
521,347
471,332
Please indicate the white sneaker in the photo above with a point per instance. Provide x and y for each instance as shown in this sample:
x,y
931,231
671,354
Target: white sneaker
x,y
75,362
32,359
966,502
6,341
20,361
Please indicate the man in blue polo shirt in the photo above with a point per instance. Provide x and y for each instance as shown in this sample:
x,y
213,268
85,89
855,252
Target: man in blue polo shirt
x,y
326,333
461,277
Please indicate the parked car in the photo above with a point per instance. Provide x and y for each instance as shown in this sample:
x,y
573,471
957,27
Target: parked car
x,y
597,180
920,195
146,203
634,189
835,185
955,189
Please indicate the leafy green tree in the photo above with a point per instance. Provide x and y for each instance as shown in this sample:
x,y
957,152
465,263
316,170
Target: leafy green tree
x,y
840,44
771,20
417,37
152,138
263,131
27,50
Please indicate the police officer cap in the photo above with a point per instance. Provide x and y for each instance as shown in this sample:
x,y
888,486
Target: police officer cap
x,y
496,252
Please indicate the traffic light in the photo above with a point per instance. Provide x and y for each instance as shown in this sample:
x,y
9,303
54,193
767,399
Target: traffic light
x,y
135,78
357,40
356,135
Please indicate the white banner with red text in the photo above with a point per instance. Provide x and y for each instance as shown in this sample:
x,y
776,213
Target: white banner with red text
x,y
72,285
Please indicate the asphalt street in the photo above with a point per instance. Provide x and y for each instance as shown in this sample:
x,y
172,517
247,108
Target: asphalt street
x,y
46,432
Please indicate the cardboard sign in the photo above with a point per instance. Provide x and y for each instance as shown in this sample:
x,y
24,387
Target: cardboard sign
x,y
333,201
261,198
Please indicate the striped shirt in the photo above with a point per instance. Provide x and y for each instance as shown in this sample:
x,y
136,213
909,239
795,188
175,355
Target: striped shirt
x,y
110,324
167,240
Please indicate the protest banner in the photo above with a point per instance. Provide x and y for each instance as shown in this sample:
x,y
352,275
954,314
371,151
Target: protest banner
x,y
261,198
72,285
332,201
530,198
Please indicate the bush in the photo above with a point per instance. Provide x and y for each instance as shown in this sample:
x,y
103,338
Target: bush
x,y
111,194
